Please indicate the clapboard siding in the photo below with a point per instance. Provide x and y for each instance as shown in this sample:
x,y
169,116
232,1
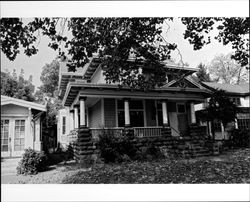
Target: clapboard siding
x,y
109,113
95,115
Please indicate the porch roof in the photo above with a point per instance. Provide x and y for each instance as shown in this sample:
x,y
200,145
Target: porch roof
x,y
80,88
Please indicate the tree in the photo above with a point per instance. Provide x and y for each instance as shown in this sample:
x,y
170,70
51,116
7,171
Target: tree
x,y
117,40
220,108
234,31
50,78
17,87
47,93
202,74
225,70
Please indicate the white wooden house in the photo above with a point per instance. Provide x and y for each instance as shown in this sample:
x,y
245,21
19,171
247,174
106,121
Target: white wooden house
x,y
20,126
90,102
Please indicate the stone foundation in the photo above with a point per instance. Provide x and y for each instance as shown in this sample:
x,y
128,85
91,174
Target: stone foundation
x,y
188,146
85,148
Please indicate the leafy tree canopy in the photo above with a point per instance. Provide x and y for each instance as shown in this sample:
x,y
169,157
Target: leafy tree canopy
x,y
17,87
49,78
225,70
118,39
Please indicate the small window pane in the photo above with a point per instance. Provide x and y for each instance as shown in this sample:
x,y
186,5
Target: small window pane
x,y
4,147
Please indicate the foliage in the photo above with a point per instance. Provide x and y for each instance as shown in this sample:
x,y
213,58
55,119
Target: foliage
x,y
202,74
225,70
53,106
233,30
17,87
220,108
49,78
118,39
115,149
239,138
232,167
32,162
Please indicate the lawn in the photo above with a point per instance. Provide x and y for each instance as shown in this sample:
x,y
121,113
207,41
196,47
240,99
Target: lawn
x,y
231,167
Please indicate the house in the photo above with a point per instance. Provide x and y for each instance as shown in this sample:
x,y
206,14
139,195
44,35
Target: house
x,y
240,94
92,103
20,126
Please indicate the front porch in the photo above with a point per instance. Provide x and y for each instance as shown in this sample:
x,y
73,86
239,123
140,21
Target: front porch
x,y
146,117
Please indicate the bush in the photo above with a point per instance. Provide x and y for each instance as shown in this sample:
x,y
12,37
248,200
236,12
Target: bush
x,y
239,138
32,162
115,149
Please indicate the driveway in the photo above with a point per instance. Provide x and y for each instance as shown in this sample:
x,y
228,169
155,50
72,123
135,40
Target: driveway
x,y
8,169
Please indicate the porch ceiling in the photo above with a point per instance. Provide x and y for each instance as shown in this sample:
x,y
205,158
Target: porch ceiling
x,y
113,91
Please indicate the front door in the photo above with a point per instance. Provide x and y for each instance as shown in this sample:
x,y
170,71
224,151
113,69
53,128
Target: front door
x,y
18,137
182,118
5,138
12,137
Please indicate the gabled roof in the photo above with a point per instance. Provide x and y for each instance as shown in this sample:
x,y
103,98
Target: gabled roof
x,y
5,100
242,89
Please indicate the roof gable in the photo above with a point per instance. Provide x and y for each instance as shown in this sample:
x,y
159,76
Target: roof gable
x,y
5,100
186,82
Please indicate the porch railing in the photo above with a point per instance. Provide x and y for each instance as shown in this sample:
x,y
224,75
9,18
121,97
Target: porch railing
x,y
139,132
96,132
147,131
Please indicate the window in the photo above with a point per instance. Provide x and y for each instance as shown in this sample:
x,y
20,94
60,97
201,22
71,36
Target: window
x,y
136,113
63,125
236,101
243,120
4,135
217,126
181,108
19,135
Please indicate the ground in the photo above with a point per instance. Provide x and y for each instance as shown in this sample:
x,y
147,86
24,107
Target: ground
x,y
231,167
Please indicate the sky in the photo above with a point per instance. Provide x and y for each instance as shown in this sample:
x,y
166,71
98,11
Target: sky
x,y
33,65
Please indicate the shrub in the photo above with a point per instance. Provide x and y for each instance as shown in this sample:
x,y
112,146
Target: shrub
x,y
32,162
108,147
239,138
115,149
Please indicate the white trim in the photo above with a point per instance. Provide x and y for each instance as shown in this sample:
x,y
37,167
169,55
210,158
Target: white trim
x,y
14,115
9,100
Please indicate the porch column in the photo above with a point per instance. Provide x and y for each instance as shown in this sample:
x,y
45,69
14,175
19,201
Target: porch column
x,y
71,120
82,112
236,124
222,130
193,117
126,112
164,113
76,116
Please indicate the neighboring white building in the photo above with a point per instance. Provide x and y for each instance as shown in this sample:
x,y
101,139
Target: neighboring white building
x,y
20,126
240,94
